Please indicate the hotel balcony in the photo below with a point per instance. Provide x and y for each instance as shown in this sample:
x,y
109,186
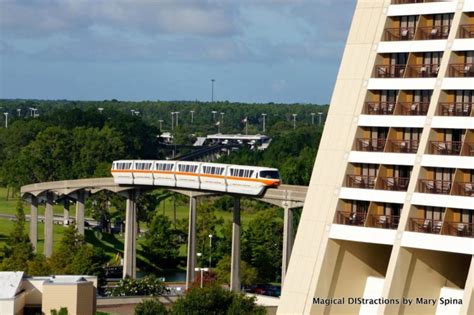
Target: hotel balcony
x,y
453,228
461,70
370,144
451,148
431,186
379,108
466,31
393,183
383,221
360,181
351,218
422,71
455,109
402,146
399,33
414,108
432,32
463,189
389,71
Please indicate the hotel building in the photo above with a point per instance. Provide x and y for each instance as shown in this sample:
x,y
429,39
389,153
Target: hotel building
x,y
390,207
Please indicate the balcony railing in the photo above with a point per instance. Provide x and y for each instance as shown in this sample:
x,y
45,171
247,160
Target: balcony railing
x,y
454,109
414,108
370,144
463,189
422,71
445,147
384,221
351,218
402,146
389,71
399,33
461,70
426,225
379,108
412,1
458,229
394,183
430,186
433,32
466,31
360,181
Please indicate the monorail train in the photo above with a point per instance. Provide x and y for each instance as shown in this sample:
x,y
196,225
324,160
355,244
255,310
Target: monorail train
x,y
249,180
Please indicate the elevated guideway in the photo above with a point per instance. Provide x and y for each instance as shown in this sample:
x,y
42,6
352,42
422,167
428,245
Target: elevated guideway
x,y
286,196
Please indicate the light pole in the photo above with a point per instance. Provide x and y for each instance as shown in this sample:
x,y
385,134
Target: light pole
x,y
172,121
18,110
214,112
100,109
294,121
202,274
320,117
192,116
222,121
161,124
6,119
210,250
212,90
312,118
264,115
177,119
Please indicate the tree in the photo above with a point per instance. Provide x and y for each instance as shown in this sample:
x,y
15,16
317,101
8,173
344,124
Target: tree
x,y
69,246
262,243
161,243
216,300
150,307
18,249
39,266
248,274
207,222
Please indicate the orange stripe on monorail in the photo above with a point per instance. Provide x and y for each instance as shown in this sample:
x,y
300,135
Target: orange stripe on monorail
x,y
264,181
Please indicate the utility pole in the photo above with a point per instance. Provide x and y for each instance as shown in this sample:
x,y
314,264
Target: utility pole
x,y
320,117
312,118
212,90
294,121
177,119
214,115
263,115
172,121
192,116
6,119
222,121
161,124
19,112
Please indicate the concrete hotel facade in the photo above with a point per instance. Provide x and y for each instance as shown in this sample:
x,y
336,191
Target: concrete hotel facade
x,y
390,208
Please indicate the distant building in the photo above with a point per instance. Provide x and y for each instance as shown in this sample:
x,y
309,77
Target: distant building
x,y
259,142
31,295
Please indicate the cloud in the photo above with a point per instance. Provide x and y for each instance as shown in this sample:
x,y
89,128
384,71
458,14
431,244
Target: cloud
x,y
32,18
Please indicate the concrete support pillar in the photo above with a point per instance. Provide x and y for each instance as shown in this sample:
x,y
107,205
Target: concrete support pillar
x,y
34,222
66,212
288,239
48,225
80,212
235,259
130,250
191,259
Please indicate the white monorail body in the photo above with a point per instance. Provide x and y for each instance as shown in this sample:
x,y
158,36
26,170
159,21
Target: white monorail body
x,y
241,179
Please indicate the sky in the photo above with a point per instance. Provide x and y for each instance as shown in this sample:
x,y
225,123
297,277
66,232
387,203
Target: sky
x,y
282,51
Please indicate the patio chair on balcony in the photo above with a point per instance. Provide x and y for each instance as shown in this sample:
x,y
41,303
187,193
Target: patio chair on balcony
x,y
434,71
422,72
404,33
437,227
382,72
426,227
468,189
390,182
382,221
429,187
433,32
461,229
442,148
365,144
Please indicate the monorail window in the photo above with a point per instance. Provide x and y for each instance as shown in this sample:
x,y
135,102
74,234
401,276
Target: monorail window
x,y
142,166
167,167
187,168
123,166
241,172
213,170
270,174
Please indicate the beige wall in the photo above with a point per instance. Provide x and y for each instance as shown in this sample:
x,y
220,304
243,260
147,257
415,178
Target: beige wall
x,y
77,298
